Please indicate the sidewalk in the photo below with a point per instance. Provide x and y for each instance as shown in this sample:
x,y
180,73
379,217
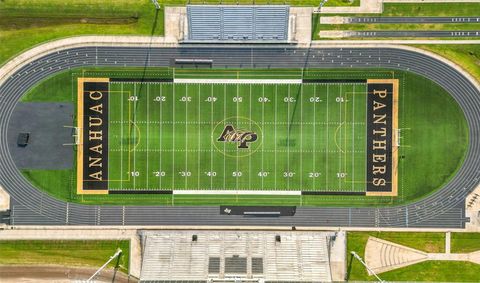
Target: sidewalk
x,y
366,6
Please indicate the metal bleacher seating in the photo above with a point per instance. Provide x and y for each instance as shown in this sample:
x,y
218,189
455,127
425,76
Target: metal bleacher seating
x,y
297,257
237,23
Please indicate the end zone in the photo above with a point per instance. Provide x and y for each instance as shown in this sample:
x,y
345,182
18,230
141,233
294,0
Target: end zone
x,y
92,152
382,150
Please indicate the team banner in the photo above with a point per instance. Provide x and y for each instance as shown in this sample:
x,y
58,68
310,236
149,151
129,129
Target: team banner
x,y
382,122
92,154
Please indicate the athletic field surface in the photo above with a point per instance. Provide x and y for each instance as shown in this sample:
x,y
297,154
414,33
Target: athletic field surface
x,y
192,135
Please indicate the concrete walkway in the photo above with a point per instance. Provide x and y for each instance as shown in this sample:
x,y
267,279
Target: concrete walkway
x,y
366,6
4,200
70,233
431,1
472,210
382,256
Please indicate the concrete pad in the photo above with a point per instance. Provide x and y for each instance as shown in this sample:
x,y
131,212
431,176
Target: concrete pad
x,y
337,257
176,27
474,257
431,1
382,256
336,20
366,6
300,25
4,200
472,210
45,122
333,33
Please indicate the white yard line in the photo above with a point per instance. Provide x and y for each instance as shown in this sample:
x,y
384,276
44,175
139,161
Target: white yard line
x,y
288,137
314,134
121,136
134,132
108,144
174,174
211,143
160,129
250,156
148,126
236,160
353,140
301,137
224,117
340,132
263,127
275,125
326,157
186,137
198,116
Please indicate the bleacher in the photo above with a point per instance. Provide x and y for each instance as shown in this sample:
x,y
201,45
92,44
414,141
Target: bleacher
x,y
218,255
223,23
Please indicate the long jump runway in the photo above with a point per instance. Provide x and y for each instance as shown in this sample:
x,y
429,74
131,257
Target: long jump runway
x,y
444,208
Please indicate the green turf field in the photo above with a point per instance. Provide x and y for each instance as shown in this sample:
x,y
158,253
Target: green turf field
x,y
165,136
434,141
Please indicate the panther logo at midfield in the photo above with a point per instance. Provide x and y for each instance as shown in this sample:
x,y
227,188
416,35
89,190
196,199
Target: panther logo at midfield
x,y
230,134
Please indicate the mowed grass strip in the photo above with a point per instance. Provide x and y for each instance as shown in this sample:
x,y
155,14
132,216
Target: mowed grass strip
x,y
310,136
465,242
64,252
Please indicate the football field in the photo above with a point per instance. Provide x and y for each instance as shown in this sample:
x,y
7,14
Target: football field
x,y
233,136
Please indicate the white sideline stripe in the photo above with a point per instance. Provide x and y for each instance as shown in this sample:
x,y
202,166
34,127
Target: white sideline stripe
x,y
237,81
235,192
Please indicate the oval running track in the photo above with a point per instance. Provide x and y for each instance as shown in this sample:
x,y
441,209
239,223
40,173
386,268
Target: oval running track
x,y
444,208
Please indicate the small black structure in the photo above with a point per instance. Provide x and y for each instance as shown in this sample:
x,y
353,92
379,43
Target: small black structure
x,y
22,139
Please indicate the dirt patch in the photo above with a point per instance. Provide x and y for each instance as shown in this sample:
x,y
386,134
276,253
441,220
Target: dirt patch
x,y
14,273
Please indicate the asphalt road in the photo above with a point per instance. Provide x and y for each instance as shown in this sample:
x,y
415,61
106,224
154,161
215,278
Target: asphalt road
x,y
412,20
417,33
444,208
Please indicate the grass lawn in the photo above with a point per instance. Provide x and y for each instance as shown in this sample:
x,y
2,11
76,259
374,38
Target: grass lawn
x,y
441,271
26,23
66,253
465,242
437,133
465,55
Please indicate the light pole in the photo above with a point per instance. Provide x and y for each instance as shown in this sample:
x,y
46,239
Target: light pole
x,y
322,3
157,6
355,255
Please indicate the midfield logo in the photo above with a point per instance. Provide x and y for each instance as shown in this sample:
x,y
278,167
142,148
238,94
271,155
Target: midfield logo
x,y
243,137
